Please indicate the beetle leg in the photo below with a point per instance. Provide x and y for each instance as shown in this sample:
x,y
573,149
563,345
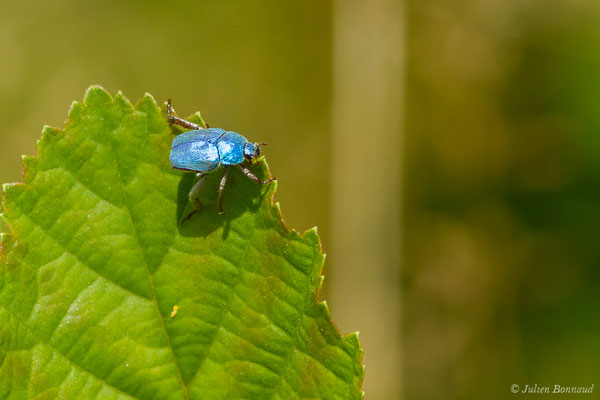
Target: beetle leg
x,y
254,177
221,187
174,119
195,191
193,196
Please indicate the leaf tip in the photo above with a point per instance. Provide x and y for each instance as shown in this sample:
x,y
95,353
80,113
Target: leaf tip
x,y
325,313
28,163
12,190
353,338
276,207
147,104
75,110
49,132
353,342
197,118
312,236
314,231
96,95
320,281
120,98
147,98
6,187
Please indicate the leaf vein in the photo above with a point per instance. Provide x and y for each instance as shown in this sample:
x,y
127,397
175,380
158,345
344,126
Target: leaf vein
x,y
150,275
66,250
58,352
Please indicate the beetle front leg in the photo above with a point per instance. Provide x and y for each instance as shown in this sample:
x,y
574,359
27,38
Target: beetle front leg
x,y
254,177
174,119
193,196
221,187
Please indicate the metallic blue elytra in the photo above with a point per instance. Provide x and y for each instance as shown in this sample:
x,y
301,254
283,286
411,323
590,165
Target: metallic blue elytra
x,y
204,150
196,150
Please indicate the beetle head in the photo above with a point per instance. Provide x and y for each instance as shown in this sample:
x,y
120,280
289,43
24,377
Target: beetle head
x,y
251,150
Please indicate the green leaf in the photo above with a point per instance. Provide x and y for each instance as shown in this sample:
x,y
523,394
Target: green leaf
x,y
94,261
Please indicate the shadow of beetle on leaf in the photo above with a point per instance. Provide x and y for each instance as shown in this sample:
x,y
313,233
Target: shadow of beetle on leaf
x,y
240,195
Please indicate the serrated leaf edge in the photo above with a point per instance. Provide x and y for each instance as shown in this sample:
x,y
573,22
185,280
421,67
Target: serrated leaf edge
x,y
275,207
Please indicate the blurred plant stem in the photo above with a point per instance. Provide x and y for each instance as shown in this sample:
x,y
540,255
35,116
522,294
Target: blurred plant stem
x,y
368,70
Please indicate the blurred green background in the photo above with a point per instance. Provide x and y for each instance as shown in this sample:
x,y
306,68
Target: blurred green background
x,y
449,153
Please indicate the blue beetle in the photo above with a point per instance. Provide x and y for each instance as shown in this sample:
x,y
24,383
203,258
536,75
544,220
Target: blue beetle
x,y
206,150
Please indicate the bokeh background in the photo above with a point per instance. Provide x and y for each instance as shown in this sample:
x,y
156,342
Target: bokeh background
x,y
448,151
